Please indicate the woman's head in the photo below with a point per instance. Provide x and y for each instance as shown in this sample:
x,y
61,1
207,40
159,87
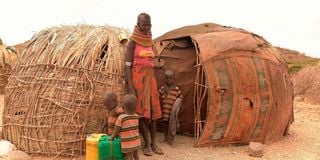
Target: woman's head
x,y
144,23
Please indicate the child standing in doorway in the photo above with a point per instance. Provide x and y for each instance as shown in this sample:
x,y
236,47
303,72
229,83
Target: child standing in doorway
x,y
171,102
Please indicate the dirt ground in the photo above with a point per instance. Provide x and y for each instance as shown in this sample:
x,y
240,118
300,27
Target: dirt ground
x,y
302,143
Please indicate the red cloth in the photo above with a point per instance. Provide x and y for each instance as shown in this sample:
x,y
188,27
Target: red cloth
x,y
143,55
145,84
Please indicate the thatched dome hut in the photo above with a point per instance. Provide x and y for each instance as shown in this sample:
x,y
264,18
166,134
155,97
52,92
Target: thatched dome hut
x,y
54,95
8,58
236,86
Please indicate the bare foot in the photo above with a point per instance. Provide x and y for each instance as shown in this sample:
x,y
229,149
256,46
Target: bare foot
x,y
169,142
157,150
147,151
165,140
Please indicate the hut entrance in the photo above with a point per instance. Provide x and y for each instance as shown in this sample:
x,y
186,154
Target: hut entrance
x,y
180,56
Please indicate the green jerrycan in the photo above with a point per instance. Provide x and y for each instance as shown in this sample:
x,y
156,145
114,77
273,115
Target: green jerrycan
x,y
110,150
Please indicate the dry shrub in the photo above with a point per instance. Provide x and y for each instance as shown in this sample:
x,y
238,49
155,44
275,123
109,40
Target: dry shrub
x,y
307,83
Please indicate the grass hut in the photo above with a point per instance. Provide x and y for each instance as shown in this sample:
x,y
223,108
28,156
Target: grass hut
x,y
8,58
235,85
54,96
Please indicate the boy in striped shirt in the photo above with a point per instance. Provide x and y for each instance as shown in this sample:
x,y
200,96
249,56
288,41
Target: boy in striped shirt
x,y
170,100
127,126
110,100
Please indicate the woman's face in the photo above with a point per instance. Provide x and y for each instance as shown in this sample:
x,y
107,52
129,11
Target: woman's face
x,y
144,25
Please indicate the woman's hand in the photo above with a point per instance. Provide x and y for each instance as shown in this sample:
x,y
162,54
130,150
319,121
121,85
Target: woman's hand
x,y
158,63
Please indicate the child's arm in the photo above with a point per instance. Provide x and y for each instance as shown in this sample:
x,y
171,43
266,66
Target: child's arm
x,y
105,125
179,101
161,92
117,128
115,132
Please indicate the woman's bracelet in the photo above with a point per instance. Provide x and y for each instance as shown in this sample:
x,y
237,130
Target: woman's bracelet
x,y
128,63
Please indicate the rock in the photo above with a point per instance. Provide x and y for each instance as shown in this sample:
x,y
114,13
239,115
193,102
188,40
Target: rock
x,y
18,155
255,149
6,148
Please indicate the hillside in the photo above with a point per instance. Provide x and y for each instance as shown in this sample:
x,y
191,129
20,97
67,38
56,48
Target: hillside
x,y
297,60
305,75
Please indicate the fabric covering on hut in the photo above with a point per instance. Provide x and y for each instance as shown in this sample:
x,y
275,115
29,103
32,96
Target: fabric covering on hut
x,y
8,58
234,83
54,96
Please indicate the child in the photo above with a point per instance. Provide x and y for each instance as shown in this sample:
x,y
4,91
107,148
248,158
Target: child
x,y
127,126
110,100
171,100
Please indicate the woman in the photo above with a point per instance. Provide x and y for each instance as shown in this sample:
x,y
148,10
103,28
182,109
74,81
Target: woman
x,y
142,83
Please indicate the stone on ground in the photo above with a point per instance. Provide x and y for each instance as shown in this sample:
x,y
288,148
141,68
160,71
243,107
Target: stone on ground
x,y
6,148
255,149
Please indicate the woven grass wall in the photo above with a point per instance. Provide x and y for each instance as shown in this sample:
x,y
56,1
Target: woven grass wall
x,y
8,59
54,96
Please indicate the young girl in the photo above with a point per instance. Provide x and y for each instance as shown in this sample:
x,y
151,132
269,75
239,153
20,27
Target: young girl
x,y
171,100
127,126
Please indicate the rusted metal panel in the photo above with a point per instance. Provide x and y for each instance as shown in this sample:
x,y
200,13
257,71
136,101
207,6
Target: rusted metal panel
x,y
246,110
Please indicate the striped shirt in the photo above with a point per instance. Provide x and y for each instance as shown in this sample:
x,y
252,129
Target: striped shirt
x,y
112,118
167,100
129,132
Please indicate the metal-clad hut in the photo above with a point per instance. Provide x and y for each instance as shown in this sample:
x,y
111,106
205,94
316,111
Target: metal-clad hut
x,y
236,86
54,95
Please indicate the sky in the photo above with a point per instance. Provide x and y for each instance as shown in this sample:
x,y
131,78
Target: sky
x,y
293,24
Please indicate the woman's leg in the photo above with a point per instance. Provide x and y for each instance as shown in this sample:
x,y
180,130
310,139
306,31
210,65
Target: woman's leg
x,y
145,134
153,132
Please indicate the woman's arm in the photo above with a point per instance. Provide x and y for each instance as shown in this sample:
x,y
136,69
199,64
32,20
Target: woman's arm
x,y
128,66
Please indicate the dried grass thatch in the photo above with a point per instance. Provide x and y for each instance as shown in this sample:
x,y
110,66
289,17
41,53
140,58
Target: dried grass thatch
x,y
20,47
8,59
54,96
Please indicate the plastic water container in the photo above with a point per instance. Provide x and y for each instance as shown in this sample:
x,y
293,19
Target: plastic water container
x,y
92,149
110,150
